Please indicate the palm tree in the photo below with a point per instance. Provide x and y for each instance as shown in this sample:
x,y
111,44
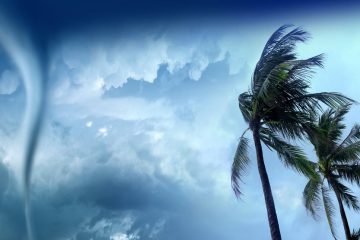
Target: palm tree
x,y
275,108
338,160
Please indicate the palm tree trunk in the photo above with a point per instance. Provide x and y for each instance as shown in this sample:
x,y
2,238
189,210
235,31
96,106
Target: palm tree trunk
x,y
269,201
343,215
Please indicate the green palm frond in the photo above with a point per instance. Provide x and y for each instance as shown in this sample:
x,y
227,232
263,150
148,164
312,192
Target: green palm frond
x,y
310,101
353,136
331,123
312,197
347,154
240,164
292,156
298,114
325,135
349,149
245,106
290,124
350,173
283,100
329,210
279,49
345,194
328,132
332,99
289,80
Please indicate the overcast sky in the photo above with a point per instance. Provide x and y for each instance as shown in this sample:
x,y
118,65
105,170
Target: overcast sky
x,y
142,125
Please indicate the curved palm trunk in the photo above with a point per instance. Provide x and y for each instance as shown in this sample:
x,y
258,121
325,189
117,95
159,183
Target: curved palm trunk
x,y
269,201
343,216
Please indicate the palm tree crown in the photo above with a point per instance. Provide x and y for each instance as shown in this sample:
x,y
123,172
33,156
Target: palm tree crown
x,y
278,103
337,160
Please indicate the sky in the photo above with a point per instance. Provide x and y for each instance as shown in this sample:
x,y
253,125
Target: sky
x,y
141,126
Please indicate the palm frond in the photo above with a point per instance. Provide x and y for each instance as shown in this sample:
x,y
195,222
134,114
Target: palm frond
x,y
291,38
240,164
332,99
326,132
355,235
245,106
274,39
329,210
292,156
312,197
290,124
330,122
353,136
279,49
349,148
286,102
288,80
311,101
347,154
302,109
345,194
350,173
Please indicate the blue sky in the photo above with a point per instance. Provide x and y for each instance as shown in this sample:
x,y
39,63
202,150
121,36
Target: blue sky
x,y
142,125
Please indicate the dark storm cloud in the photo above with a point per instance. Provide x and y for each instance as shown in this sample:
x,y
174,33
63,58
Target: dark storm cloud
x,y
108,188
104,195
101,192
48,18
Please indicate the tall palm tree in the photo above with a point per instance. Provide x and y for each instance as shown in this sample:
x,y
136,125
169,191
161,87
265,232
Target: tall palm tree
x,y
275,108
338,160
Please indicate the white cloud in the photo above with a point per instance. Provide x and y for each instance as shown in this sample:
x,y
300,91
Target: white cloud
x,y
89,124
158,227
124,236
102,132
88,69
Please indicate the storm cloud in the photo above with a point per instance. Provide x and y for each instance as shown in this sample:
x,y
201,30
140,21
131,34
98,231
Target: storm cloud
x,y
139,136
